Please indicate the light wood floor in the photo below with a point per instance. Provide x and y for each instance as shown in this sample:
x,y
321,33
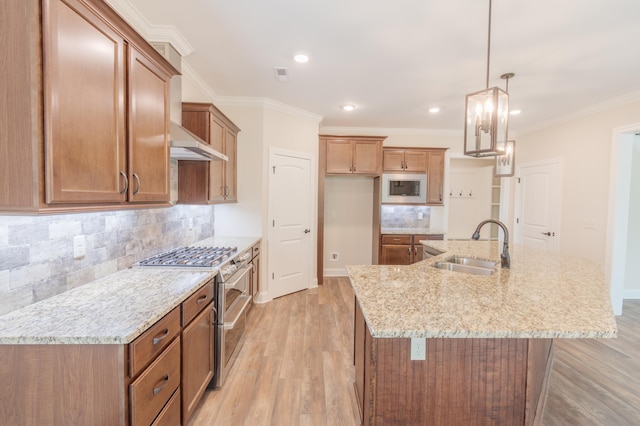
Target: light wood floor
x,y
296,368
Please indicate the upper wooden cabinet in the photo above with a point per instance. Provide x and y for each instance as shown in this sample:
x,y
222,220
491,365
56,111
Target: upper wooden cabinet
x,y
209,182
359,155
86,103
405,160
435,180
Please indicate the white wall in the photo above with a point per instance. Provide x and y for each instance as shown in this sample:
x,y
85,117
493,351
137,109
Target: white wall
x,y
584,144
469,176
348,220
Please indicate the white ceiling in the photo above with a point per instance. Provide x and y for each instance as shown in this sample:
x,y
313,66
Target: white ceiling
x,y
396,59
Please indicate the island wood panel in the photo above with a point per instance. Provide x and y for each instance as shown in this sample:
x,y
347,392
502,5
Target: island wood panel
x,y
63,385
540,364
463,381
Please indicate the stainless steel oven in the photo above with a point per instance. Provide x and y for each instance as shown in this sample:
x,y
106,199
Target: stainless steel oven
x,y
231,296
231,302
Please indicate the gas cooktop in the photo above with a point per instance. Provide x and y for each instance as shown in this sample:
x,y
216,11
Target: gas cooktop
x,y
191,257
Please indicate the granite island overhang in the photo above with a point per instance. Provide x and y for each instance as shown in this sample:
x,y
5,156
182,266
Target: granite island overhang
x,y
489,338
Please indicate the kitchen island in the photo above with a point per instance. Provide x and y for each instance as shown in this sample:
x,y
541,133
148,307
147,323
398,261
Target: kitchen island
x,y
487,339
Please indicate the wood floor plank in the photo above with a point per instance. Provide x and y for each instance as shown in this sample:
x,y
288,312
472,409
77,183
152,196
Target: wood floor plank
x,y
296,368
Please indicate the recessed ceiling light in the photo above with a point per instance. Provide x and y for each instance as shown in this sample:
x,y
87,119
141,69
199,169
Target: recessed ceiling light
x,y
348,107
301,58
515,112
434,110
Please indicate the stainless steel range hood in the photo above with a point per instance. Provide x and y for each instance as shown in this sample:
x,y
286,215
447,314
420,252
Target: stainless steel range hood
x,y
187,146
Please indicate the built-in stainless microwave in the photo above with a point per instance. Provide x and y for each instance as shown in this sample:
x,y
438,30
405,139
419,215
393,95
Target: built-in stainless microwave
x,y
404,188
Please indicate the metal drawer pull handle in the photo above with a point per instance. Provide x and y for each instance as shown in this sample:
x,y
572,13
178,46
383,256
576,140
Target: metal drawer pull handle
x,y
164,335
164,383
138,187
126,183
202,298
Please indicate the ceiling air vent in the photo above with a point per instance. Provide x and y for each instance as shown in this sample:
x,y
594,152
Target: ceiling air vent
x,y
281,73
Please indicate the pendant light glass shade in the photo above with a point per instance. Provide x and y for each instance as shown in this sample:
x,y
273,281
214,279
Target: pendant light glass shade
x,y
486,123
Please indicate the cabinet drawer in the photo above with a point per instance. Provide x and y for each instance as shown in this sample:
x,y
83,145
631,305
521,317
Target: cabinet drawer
x,y
150,392
432,237
153,341
196,303
170,414
396,239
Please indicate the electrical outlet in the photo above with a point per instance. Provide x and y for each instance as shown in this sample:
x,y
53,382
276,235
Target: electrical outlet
x,y
79,247
420,215
335,257
418,349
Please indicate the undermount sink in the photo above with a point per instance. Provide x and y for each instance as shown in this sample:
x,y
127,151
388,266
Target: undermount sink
x,y
471,262
467,265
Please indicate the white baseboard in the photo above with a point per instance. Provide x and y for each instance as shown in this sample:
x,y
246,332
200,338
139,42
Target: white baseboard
x,y
334,272
261,297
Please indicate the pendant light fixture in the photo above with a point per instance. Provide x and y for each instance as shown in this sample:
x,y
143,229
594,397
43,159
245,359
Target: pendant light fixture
x,y
486,116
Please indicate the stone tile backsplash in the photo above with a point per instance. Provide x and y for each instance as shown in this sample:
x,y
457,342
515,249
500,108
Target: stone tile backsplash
x,y
401,216
36,252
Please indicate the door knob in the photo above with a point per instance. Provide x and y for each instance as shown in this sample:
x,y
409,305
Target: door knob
x,y
306,231
548,234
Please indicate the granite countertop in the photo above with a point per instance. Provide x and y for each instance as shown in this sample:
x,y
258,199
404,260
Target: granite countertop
x,y
112,310
543,295
411,231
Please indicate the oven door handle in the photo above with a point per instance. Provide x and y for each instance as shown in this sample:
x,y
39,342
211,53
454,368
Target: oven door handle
x,y
231,324
240,274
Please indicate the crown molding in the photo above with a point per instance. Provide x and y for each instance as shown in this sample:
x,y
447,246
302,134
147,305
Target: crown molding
x,y
373,131
593,109
269,104
153,33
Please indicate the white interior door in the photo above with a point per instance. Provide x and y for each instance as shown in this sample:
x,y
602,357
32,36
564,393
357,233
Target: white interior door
x,y
538,202
291,206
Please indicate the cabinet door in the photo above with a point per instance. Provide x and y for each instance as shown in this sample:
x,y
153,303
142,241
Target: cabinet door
x,y
216,168
415,161
339,156
197,360
367,157
148,130
392,254
436,177
84,109
230,167
416,248
393,160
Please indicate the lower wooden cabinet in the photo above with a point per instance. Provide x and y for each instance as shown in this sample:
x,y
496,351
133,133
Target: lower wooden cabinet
x,y
150,392
254,277
158,379
403,249
197,360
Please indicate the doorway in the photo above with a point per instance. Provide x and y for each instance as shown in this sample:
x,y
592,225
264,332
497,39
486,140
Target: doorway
x,y
623,236
291,207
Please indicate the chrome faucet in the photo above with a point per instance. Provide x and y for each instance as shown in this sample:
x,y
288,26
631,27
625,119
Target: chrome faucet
x,y
505,259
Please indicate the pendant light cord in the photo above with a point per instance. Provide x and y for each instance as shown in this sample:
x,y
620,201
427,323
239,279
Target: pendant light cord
x,y
488,44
